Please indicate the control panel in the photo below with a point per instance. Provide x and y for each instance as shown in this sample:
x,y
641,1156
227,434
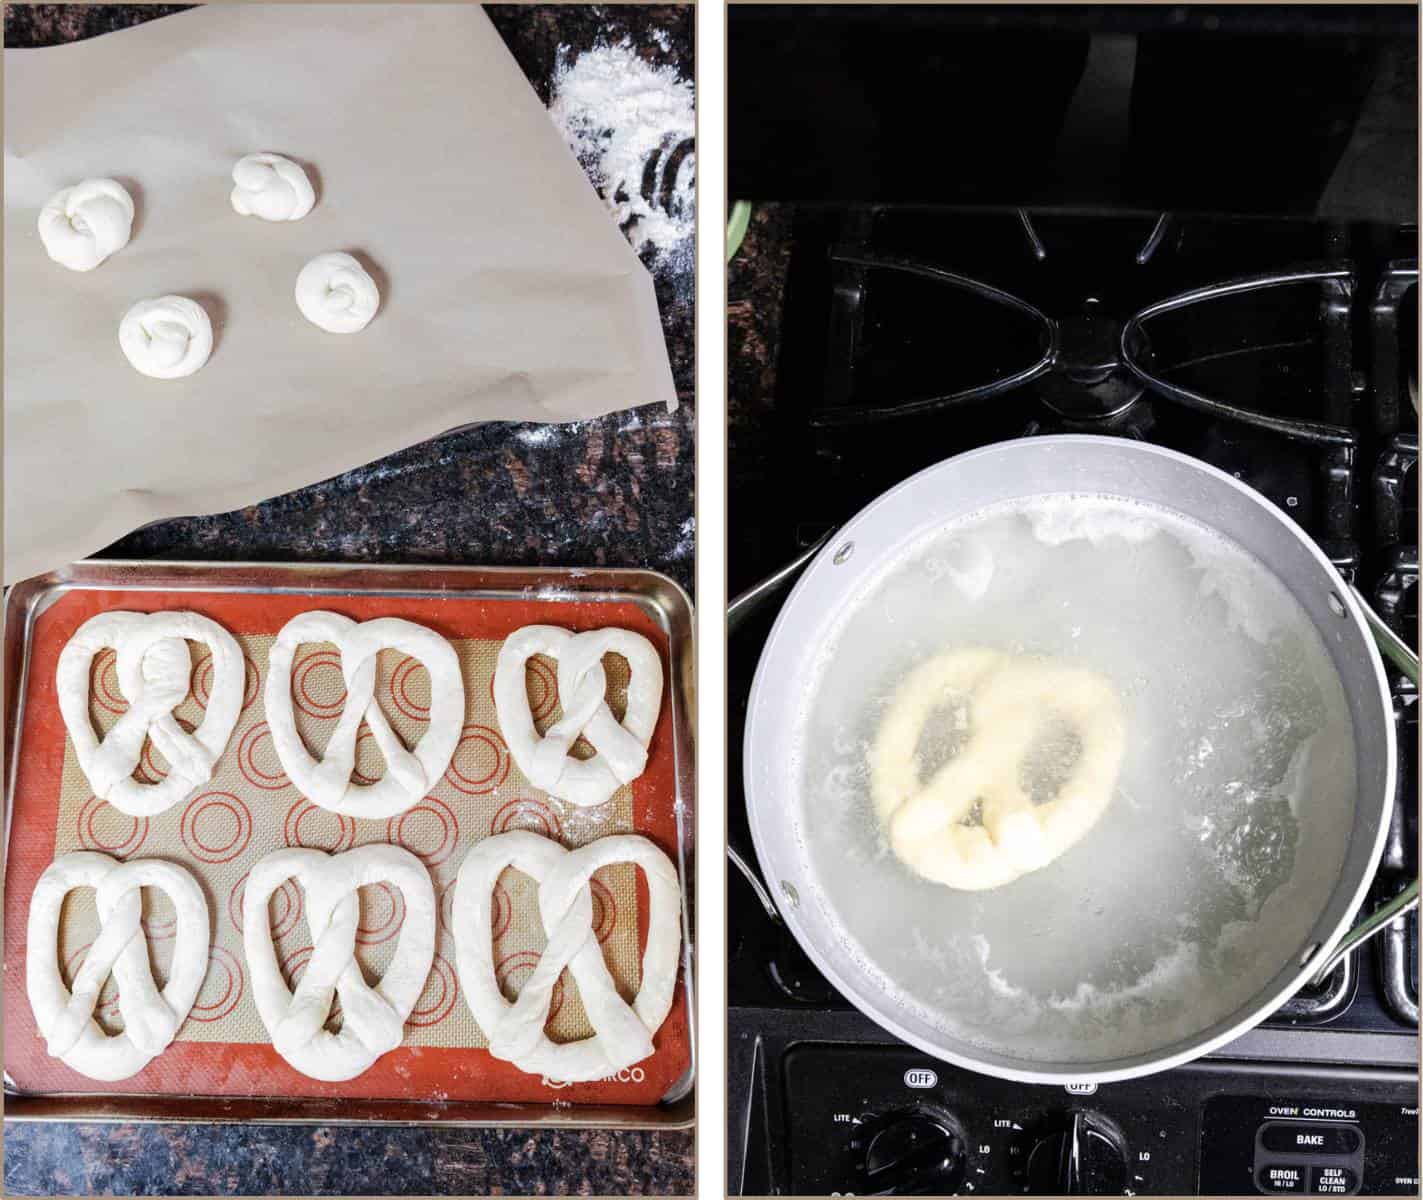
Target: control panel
x,y
886,1120
1310,1147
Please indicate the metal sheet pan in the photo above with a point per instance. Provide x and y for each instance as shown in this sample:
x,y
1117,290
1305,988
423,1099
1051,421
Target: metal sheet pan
x,y
658,597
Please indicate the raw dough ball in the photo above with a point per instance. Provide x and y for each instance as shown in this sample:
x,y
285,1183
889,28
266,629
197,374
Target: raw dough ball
x,y
166,338
84,224
271,187
334,293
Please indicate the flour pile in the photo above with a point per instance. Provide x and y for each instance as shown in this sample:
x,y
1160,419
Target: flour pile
x,y
632,124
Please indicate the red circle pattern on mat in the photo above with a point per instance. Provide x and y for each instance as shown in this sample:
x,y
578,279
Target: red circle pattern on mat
x,y
527,814
247,762
386,928
216,850
202,683
301,690
501,915
288,898
545,697
605,910
474,784
160,931
101,671
90,838
222,988
527,960
400,690
291,828
441,992
449,830
148,766
107,1007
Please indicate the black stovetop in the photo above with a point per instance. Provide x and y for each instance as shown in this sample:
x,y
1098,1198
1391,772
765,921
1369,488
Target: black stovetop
x,y
911,334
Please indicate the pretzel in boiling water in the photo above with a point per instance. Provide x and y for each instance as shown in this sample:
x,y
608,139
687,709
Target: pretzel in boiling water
x,y
1009,701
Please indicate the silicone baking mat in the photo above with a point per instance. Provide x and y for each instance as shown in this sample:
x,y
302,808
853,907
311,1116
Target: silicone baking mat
x,y
249,808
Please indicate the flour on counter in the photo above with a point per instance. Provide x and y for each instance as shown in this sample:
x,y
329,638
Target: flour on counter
x,y
632,124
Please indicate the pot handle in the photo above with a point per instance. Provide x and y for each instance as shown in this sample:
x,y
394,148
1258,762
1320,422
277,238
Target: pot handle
x,y
1397,651
752,600
756,596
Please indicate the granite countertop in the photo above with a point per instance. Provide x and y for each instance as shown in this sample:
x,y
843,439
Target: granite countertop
x,y
755,299
613,491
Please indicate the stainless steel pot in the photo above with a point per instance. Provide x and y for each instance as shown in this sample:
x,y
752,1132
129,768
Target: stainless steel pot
x,y
861,552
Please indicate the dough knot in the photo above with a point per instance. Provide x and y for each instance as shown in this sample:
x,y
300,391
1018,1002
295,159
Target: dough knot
x,y
81,226
166,338
271,187
335,293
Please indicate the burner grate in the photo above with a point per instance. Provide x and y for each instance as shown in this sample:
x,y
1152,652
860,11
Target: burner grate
x,y
1394,316
1044,328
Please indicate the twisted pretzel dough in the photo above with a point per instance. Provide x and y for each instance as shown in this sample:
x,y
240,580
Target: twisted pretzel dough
x,y
516,1031
271,187
151,1018
1010,701
81,226
409,774
166,338
335,293
582,684
153,666
373,1018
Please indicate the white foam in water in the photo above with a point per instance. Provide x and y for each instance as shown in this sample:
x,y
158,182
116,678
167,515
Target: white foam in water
x,y
1231,815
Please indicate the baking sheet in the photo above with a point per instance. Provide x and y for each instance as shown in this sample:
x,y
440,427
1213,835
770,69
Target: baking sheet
x,y
508,293
249,809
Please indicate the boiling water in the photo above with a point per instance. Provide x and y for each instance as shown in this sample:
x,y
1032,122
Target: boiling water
x,y
1230,817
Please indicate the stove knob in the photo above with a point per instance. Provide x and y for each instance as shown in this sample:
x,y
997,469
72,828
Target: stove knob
x,y
1084,1155
914,1152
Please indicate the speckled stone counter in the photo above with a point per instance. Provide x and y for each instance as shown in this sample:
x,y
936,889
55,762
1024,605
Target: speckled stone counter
x,y
755,295
615,491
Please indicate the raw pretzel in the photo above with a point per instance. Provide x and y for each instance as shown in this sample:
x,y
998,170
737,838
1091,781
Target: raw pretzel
x,y
64,1016
1010,701
516,1031
409,774
154,667
582,686
373,1018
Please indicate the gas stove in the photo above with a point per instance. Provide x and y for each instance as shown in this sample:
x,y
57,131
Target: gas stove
x,y
1282,351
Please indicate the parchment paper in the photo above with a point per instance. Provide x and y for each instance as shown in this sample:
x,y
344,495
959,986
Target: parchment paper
x,y
507,291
